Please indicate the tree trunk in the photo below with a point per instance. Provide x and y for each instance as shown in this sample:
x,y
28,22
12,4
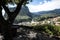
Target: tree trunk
x,y
6,25
8,32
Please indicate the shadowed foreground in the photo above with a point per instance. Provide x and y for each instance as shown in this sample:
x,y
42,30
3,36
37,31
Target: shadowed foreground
x,y
28,33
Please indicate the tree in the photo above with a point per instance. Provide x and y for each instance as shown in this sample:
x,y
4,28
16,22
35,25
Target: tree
x,y
5,25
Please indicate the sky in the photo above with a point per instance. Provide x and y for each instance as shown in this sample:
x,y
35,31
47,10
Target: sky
x,y
43,5
40,5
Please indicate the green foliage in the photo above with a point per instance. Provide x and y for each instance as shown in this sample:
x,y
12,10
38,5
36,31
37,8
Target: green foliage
x,y
45,16
20,18
50,29
57,30
17,1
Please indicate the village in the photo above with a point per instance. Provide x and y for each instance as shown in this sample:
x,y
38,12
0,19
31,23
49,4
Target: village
x,y
51,21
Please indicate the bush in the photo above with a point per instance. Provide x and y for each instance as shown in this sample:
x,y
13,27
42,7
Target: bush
x,y
50,29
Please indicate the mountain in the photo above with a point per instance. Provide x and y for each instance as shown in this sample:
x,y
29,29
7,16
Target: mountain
x,y
37,15
42,15
25,11
24,15
56,11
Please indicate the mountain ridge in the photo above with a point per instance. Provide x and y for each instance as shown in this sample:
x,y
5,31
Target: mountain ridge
x,y
44,12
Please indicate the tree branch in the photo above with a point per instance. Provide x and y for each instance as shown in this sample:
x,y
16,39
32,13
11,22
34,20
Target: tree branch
x,y
2,20
14,14
6,8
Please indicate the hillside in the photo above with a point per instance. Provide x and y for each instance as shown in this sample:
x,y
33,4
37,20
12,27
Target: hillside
x,y
47,14
24,15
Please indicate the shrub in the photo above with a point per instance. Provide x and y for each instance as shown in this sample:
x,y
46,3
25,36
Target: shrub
x,y
50,29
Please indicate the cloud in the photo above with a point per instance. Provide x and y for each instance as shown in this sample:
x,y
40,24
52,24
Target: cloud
x,y
51,5
3,11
